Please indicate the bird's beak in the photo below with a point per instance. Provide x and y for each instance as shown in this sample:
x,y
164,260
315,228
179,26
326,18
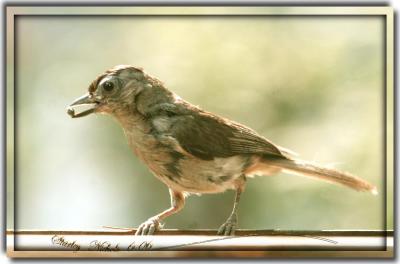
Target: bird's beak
x,y
85,100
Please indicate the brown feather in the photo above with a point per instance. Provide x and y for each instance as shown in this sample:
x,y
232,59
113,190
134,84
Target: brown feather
x,y
313,170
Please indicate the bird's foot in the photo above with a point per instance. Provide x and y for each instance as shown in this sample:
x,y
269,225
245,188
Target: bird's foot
x,y
229,227
149,227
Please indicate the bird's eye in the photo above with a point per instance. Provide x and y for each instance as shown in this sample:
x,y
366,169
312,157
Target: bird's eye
x,y
108,86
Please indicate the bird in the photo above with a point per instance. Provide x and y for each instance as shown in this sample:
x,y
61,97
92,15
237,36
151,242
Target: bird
x,y
191,150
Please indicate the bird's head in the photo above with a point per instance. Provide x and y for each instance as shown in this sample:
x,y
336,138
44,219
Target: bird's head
x,y
114,91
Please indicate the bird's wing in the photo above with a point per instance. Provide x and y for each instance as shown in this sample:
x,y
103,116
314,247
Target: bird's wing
x,y
206,136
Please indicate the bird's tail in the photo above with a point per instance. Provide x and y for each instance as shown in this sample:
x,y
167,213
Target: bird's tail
x,y
309,169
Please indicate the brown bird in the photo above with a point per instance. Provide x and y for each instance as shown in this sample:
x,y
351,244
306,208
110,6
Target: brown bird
x,y
189,149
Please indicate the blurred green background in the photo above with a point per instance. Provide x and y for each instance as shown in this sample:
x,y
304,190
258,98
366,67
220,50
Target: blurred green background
x,y
311,84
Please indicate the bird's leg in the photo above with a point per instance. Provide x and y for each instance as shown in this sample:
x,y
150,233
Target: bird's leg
x,y
228,228
153,223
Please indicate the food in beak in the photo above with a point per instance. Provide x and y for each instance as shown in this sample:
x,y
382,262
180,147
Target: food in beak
x,y
86,100
71,111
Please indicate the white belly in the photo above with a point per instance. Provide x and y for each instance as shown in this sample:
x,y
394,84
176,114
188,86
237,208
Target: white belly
x,y
200,176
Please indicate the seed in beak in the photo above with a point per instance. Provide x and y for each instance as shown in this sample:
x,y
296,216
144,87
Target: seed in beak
x,y
71,111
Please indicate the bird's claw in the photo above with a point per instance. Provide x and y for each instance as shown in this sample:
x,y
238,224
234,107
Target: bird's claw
x,y
229,227
149,227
